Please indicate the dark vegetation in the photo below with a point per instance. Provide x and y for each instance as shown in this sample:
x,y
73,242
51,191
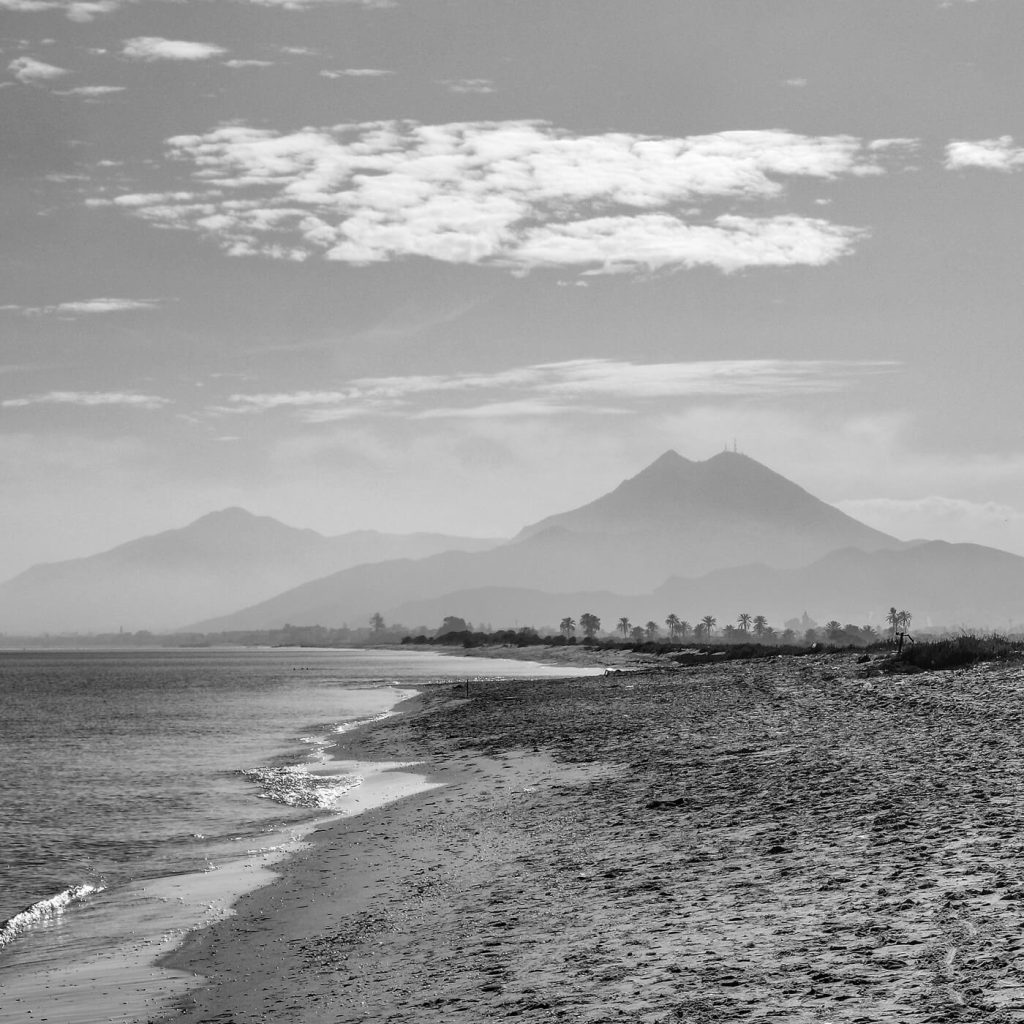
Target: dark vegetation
x,y
959,651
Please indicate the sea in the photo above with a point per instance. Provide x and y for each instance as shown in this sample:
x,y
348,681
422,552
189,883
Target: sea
x,y
143,791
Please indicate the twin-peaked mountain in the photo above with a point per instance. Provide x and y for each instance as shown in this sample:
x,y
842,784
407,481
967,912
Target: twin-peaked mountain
x,y
687,518
218,563
675,518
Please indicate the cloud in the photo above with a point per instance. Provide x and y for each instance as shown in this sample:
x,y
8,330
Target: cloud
x,y
153,48
355,73
77,10
481,86
954,519
89,399
85,307
988,154
91,91
30,71
517,194
582,385
84,12
248,63
934,507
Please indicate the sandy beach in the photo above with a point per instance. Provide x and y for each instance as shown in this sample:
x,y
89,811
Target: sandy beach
x,y
768,840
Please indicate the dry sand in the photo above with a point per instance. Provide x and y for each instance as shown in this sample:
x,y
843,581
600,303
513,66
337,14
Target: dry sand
x,y
779,840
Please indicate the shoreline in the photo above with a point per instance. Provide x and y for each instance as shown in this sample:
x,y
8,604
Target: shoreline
x,y
751,841
130,981
354,850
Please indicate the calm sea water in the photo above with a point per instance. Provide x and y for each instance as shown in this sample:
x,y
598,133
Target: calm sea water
x,y
140,765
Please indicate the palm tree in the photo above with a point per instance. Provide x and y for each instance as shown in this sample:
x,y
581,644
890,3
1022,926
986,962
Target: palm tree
x,y
697,630
760,625
833,630
637,634
744,621
567,627
893,619
590,624
673,625
651,629
684,629
709,622
904,617
625,625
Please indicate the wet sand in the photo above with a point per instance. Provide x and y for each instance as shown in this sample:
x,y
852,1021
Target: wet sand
x,y
779,840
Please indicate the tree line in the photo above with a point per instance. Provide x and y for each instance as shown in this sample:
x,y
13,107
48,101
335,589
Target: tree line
x,y
747,626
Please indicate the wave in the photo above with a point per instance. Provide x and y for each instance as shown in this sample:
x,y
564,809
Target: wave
x,y
296,786
44,910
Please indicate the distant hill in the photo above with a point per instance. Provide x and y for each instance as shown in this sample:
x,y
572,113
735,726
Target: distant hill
x,y
941,584
676,517
213,565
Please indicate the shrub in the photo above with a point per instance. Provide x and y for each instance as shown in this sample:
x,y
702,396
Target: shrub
x,y
959,651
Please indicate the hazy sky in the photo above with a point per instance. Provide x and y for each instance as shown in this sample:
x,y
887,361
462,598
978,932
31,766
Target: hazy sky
x,y
460,264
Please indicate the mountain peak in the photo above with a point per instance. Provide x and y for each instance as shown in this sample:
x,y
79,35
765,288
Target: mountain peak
x,y
233,513
670,460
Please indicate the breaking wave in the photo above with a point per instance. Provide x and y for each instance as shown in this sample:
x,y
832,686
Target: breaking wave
x,y
43,911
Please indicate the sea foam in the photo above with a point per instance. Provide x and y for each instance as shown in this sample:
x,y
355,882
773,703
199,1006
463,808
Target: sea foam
x,y
296,786
43,911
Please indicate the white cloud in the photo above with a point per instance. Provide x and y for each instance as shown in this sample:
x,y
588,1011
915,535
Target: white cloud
x,y
355,73
89,399
523,407
76,10
85,307
248,63
480,86
87,11
91,91
620,244
152,48
29,71
516,194
988,154
582,385
903,144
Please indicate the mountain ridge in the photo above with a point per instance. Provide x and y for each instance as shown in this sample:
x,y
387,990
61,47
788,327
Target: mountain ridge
x,y
942,583
211,565
675,516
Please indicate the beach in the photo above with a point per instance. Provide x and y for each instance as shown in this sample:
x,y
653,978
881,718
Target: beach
x,y
787,839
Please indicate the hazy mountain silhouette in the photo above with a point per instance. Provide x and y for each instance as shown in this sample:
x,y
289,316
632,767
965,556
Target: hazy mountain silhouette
x,y
676,517
705,515
941,584
213,565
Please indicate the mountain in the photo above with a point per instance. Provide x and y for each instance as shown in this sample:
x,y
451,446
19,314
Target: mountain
x,y
217,563
941,584
676,517
701,516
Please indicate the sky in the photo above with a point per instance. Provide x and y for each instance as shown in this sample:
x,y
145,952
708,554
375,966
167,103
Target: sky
x,y
457,265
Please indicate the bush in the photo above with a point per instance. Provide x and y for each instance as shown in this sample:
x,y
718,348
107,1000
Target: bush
x,y
959,651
